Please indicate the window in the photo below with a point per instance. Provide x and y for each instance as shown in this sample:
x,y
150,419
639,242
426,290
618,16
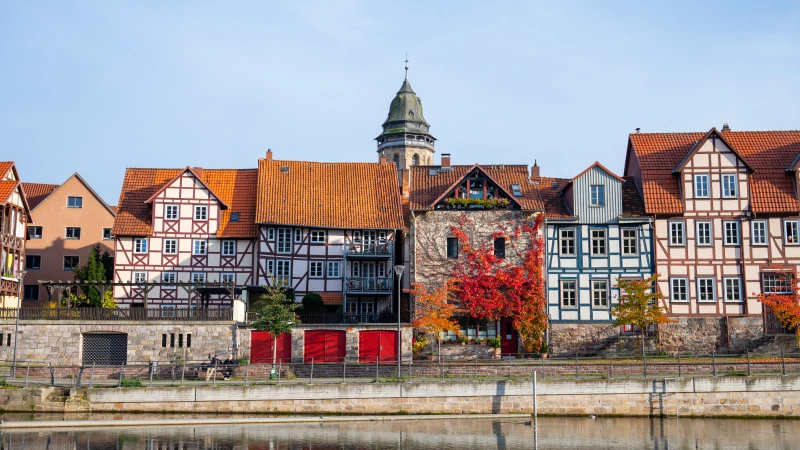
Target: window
x,y
597,196
333,269
598,242
199,247
516,191
568,293
317,236
759,234
74,202
168,277
284,240
381,269
283,272
140,245
790,232
270,268
31,292
701,185
705,290
200,212
452,247
731,228
34,232
600,293
169,311
676,233
228,278
171,212
139,277
107,236
566,239
170,246
776,283
500,247
198,277
270,234
381,237
228,248
234,217
629,241
703,233
73,233
298,235
733,289
355,268
729,185
71,262
33,262
678,290
315,269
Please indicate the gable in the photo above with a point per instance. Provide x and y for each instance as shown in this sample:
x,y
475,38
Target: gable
x,y
476,184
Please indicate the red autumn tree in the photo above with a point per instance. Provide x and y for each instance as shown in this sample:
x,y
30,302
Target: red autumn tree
x,y
433,310
493,286
784,300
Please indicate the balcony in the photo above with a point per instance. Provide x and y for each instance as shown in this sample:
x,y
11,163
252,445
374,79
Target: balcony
x,y
11,241
369,285
346,318
9,287
369,250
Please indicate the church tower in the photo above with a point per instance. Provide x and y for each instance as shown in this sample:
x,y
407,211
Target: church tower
x,y
406,139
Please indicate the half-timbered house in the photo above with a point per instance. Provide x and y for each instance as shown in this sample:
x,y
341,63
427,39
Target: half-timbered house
x,y
329,228
14,216
184,225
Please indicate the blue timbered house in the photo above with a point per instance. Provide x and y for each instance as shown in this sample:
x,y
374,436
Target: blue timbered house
x,y
596,233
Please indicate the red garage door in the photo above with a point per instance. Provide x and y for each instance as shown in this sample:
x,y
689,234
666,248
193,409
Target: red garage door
x,y
377,345
325,346
261,347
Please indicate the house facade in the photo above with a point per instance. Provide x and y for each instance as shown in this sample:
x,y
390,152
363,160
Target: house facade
x,y
68,221
184,225
14,217
329,228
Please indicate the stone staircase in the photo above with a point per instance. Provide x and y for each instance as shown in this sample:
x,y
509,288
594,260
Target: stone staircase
x,y
627,346
772,345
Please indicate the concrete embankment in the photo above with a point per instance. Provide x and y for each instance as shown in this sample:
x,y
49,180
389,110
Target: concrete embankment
x,y
767,396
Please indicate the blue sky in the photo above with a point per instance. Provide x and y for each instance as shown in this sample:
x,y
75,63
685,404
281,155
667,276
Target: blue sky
x,y
96,87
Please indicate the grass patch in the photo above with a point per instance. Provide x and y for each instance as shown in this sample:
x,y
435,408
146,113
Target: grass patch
x,y
130,383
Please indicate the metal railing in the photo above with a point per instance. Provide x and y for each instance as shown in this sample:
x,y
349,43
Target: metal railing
x,y
133,313
369,249
369,284
347,318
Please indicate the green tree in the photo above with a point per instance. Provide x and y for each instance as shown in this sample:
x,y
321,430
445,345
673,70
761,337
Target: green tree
x,y
93,271
639,305
108,264
312,302
276,315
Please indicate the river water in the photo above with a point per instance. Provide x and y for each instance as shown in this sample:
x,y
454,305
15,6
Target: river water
x,y
550,433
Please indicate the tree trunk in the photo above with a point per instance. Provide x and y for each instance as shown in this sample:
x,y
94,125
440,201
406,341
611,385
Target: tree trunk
x,y
274,349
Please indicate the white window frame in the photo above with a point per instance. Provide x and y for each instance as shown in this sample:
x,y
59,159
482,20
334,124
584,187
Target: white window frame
x,y
225,275
316,269
140,245
169,277
703,285
287,268
355,269
334,269
599,293
380,269
760,234
565,239
229,252
198,277
704,185
735,224
679,282
283,241
139,277
710,235
730,189
168,209
735,283
168,311
298,235
166,246
270,268
791,232
318,236
199,247
270,234
110,234
778,280
573,289
635,239
597,195
676,225
382,237
604,241
201,211
79,201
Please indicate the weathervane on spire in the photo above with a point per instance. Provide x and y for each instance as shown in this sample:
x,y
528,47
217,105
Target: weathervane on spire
x,y
406,66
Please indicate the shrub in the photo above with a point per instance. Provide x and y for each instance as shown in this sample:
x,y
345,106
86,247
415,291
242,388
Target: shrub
x,y
312,302
130,383
493,342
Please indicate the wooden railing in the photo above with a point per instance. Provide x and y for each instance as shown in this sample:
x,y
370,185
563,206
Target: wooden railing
x,y
142,314
9,240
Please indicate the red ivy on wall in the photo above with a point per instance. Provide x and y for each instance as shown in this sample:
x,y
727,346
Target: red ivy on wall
x,y
785,300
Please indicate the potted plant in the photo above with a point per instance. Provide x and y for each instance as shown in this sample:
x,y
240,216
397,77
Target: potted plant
x,y
543,350
494,343
463,340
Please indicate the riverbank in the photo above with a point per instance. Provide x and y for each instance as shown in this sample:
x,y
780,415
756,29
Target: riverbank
x,y
761,396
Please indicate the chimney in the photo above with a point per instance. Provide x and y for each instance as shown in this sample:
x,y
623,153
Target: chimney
x,y
725,127
638,130
445,159
535,170
269,155
383,160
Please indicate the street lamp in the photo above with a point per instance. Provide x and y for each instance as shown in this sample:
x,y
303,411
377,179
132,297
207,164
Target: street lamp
x,y
398,270
20,276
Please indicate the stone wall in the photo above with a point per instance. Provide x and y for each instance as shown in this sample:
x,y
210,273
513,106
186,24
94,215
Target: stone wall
x,y
580,337
703,335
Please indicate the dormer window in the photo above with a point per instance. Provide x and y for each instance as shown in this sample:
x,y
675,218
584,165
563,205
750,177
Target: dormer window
x,y
516,191
597,195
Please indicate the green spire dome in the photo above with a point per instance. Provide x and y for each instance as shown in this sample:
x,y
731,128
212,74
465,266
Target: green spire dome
x,y
405,113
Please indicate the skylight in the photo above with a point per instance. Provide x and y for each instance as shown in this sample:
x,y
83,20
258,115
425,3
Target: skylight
x,y
516,191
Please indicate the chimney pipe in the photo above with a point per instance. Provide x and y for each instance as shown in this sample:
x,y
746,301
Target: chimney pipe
x,y
269,155
535,170
726,127
445,159
383,160
638,130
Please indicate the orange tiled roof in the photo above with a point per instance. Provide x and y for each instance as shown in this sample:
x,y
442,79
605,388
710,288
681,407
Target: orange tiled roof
x,y
235,187
113,208
332,298
427,188
769,153
555,206
6,188
5,166
36,192
328,195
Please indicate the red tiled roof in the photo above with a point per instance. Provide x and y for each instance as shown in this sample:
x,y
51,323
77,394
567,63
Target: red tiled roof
x,y
235,187
6,188
426,189
632,201
555,206
769,153
113,208
332,298
328,195
5,166
36,192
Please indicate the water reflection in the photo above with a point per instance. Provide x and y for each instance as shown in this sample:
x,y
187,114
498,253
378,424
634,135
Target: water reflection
x,y
549,433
